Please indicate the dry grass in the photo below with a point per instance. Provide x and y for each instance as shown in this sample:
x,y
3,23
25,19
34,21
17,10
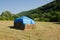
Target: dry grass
x,y
43,31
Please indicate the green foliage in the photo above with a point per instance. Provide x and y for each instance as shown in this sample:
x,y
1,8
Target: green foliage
x,y
7,15
49,13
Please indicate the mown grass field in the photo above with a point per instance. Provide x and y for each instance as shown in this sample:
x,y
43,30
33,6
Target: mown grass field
x,y
43,31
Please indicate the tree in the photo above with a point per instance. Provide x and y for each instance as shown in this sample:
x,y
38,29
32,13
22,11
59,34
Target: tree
x,y
6,14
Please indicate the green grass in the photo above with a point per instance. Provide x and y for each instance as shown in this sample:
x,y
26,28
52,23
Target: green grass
x,y
43,31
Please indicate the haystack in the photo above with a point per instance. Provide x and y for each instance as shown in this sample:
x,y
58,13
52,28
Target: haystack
x,y
30,26
24,23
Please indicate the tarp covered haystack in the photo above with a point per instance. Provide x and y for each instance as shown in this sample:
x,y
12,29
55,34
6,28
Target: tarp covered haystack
x,y
24,23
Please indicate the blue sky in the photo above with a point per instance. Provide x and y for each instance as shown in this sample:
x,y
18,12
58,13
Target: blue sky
x,y
16,6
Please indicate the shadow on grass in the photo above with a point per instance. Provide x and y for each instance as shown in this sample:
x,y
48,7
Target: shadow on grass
x,y
12,27
57,23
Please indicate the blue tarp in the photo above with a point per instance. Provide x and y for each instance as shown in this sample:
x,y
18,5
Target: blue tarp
x,y
24,20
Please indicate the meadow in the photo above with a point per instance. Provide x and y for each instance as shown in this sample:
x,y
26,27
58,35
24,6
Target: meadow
x,y
43,31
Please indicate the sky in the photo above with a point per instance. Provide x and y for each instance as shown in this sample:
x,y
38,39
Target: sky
x,y
16,6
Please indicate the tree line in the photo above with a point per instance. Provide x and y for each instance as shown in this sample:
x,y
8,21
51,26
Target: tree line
x,y
49,13
7,15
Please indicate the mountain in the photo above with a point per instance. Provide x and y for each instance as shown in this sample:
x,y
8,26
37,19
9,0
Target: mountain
x,y
48,12
54,6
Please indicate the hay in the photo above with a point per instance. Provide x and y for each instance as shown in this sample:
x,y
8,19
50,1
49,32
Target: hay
x,y
18,26
24,27
30,26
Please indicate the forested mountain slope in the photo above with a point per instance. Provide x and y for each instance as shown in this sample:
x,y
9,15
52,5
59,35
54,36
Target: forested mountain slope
x,y
49,12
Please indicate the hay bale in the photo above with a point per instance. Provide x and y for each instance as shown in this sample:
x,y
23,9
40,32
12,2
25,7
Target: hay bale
x,y
30,26
21,21
19,25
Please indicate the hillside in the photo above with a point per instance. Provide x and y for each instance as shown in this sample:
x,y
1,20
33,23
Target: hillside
x,y
49,12
52,6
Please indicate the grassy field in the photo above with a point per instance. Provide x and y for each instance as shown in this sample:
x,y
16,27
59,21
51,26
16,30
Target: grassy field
x,y
43,31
